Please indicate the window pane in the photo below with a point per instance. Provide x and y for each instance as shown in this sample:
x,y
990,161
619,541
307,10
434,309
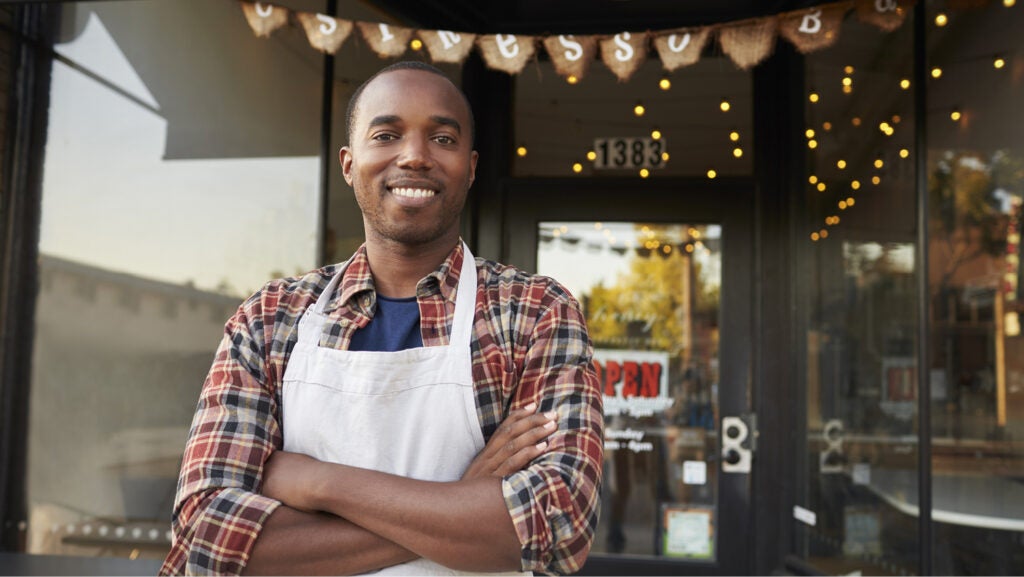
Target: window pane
x,y
976,184
651,296
178,178
857,506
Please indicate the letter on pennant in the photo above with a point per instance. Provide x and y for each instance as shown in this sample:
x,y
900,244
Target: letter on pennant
x,y
811,23
573,49
571,55
506,52
325,33
677,48
446,45
813,29
681,47
386,40
264,19
624,53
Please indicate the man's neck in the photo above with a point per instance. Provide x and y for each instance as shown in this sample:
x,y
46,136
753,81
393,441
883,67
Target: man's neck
x,y
398,268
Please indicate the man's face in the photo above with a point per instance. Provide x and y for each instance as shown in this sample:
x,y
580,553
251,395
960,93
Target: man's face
x,y
410,160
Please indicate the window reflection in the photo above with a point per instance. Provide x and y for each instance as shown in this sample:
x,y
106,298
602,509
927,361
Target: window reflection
x,y
651,296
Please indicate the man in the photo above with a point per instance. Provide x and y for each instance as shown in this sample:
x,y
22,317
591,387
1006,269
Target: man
x,y
342,426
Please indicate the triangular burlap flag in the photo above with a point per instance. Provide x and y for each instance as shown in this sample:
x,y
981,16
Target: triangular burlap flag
x,y
506,52
815,28
447,46
683,47
264,18
624,53
571,55
749,43
326,34
885,14
386,40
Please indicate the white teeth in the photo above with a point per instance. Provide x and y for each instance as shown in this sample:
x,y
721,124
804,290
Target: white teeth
x,y
413,192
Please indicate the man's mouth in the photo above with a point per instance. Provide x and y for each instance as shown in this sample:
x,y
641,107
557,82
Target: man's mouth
x,y
410,192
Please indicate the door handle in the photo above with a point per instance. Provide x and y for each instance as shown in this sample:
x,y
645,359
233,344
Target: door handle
x,y
738,443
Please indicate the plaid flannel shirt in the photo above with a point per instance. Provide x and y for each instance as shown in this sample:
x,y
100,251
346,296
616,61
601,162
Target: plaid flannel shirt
x,y
530,344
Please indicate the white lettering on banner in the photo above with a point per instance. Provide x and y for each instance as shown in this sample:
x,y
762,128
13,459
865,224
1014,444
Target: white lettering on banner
x,y
633,446
385,33
885,5
448,38
811,23
264,11
327,24
575,49
507,45
682,43
624,434
624,52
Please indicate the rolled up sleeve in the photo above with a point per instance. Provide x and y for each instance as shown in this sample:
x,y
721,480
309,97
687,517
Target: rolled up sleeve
x,y
555,502
217,513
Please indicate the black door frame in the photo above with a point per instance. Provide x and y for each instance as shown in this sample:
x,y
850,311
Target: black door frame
x,y
729,202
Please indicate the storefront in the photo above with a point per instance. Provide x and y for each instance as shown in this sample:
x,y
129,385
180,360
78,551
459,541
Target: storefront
x,y
766,258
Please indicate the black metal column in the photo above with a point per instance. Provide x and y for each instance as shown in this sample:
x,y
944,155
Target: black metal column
x,y
328,156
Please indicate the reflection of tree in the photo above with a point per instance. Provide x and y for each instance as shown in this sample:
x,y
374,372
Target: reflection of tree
x,y
967,219
648,305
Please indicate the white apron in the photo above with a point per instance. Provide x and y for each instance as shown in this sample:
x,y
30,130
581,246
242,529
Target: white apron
x,y
410,413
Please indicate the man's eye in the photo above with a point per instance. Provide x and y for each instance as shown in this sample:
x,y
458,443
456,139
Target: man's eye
x,y
385,137
445,139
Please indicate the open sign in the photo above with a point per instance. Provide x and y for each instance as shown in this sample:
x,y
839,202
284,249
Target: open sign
x,y
633,382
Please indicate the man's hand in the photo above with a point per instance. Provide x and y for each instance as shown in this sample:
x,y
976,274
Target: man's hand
x,y
518,440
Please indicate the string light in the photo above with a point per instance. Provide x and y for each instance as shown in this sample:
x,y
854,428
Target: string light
x,y
577,167
904,153
812,179
847,81
711,173
812,144
664,83
821,187
826,126
998,63
416,44
941,20
591,155
734,136
809,133
725,106
904,84
639,109
855,185
841,164
855,121
879,163
936,72
850,201
842,205
656,134
521,151
955,115
737,152
664,157
876,180
813,97
896,119
1009,3
644,173
571,79
848,69
814,236
823,233
847,89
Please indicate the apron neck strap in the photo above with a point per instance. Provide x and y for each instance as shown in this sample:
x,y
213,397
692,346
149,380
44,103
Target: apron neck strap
x,y
465,301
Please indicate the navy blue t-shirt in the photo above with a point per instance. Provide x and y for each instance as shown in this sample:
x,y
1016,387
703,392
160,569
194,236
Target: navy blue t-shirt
x,y
394,327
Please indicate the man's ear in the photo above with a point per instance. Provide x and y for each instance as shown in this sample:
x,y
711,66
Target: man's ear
x,y
472,168
345,158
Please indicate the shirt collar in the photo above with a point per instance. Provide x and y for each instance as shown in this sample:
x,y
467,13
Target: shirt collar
x,y
357,282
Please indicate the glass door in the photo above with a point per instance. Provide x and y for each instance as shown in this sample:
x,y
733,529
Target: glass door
x,y
665,294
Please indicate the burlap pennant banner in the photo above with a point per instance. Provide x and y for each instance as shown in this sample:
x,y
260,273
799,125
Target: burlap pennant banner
x,y
506,52
447,46
885,14
571,55
814,29
683,47
386,40
749,43
746,42
624,53
264,18
326,34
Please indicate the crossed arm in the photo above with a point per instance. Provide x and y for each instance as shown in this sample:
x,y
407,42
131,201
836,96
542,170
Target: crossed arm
x,y
340,519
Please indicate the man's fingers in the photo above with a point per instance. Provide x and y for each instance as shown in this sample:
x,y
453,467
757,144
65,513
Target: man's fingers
x,y
521,458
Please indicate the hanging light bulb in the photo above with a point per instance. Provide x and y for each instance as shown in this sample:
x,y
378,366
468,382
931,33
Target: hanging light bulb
x,y
848,69
998,63
841,164
656,134
826,126
812,144
639,109
644,173
809,133
711,173
521,151
664,83
725,106
955,115
879,163
813,97
737,152
814,236
577,167
941,20
812,179
936,72
416,44
572,79
734,136
664,157
904,153
904,84
591,155
855,185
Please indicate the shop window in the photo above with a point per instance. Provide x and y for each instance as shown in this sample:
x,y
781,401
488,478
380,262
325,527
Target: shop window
x,y
975,170
856,499
698,123
178,177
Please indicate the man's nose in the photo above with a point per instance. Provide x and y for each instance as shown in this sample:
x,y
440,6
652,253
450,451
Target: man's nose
x,y
415,154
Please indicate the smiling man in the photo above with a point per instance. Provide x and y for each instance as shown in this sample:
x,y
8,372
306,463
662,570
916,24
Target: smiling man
x,y
413,410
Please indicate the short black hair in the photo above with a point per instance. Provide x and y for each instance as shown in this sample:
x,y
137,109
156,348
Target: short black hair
x,y
405,65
